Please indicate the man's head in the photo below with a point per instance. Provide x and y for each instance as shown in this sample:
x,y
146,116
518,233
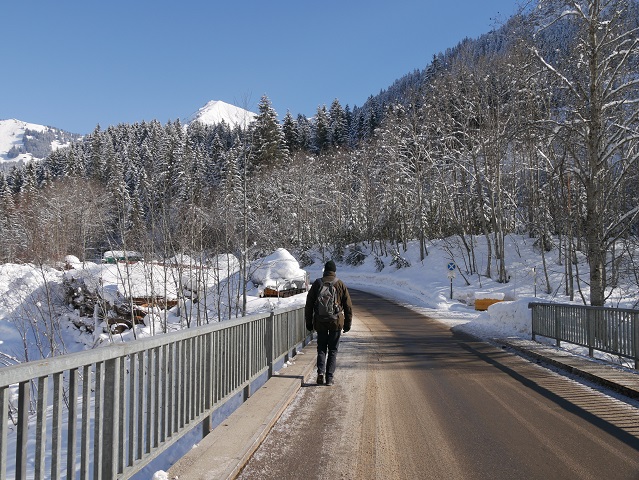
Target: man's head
x,y
329,267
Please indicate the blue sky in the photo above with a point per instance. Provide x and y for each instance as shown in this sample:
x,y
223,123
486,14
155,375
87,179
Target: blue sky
x,y
76,64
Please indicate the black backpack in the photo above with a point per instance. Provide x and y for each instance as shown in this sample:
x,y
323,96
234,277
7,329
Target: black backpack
x,y
327,306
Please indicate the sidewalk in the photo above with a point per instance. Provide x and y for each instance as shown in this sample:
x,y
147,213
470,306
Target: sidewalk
x,y
616,378
224,451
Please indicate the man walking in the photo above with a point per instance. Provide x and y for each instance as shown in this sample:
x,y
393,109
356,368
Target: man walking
x,y
328,311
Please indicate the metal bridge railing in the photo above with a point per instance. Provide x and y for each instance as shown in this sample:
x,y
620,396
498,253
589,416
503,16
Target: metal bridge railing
x,y
610,330
106,413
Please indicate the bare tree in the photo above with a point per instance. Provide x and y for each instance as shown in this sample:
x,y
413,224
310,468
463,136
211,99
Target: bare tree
x,y
598,121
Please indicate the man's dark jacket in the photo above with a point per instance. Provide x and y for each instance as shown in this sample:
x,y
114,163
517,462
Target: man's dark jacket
x,y
345,318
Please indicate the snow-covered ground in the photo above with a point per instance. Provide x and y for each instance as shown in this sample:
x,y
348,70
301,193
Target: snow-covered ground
x,y
422,285
11,134
29,293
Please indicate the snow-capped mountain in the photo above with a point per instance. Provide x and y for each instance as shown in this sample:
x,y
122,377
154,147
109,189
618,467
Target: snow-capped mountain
x,y
216,111
22,141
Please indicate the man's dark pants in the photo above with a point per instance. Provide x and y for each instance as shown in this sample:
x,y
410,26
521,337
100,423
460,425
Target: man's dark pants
x,y
327,345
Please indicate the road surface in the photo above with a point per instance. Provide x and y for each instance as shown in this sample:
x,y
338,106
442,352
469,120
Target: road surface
x,y
412,400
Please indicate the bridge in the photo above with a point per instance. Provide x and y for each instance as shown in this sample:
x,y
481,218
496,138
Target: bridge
x,y
109,412
411,400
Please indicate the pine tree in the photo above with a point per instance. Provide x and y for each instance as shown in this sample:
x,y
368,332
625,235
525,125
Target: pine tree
x,y
269,146
338,125
291,135
30,184
6,198
96,162
304,133
8,221
322,130
371,118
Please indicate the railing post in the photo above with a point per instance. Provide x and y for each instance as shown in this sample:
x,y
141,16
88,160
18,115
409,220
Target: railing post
x,y
249,359
41,427
56,430
24,394
208,384
71,430
591,325
533,319
270,340
86,441
289,346
4,427
635,338
557,318
110,426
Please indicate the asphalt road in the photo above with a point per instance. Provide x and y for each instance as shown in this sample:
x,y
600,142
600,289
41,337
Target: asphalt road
x,y
412,400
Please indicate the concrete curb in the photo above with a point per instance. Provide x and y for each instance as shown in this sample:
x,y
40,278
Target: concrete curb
x,y
609,376
223,453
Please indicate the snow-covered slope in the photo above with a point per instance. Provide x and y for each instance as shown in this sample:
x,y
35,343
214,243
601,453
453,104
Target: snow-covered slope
x,y
216,111
12,141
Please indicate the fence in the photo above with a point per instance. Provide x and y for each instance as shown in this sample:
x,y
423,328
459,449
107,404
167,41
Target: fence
x,y
610,330
106,413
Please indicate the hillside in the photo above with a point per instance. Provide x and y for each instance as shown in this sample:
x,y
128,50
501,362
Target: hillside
x,y
22,142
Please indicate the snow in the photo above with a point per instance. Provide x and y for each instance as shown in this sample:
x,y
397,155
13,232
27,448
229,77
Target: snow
x,y
23,294
424,286
121,254
11,133
489,295
277,268
216,111
121,280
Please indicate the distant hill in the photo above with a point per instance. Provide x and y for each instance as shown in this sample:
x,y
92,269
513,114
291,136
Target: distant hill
x,y
22,142
216,112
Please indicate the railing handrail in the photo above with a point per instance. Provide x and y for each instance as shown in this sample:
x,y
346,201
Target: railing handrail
x,y
606,329
584,307
13,374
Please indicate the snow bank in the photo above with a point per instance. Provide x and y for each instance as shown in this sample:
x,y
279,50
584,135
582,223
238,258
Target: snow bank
x,y
24,294
277,269
115,281
20,284
489,295
225,264
504,319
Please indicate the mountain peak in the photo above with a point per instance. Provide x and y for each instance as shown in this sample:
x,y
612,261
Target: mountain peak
x,y
16,146
217,111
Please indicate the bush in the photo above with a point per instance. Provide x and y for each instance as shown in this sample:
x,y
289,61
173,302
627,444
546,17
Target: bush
x,y
355,257
399,261
305,259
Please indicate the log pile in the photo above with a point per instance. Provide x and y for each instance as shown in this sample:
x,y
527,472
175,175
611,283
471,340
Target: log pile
x,y
118,316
